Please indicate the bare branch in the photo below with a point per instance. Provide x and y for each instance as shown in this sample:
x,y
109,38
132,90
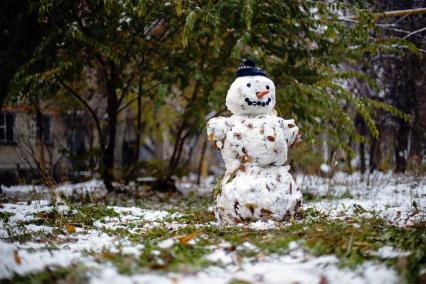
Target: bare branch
x,y
415,32
396,13
88,107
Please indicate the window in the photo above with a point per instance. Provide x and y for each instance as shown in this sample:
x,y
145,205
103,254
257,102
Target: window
x,y
44,129
7,127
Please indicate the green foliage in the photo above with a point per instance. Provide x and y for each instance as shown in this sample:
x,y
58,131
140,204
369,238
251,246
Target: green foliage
x,y
185,54
72,274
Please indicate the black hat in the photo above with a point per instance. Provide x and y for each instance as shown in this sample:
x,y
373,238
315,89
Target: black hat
x,y
248,68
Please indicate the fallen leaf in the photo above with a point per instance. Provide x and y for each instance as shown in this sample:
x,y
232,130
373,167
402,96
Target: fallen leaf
x,y
105,255
245,159
265,212
185,239
251,207
237,221
70,228
17,257
323,280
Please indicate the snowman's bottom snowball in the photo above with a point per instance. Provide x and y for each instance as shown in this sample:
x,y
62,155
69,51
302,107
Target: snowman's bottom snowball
x,y
258,194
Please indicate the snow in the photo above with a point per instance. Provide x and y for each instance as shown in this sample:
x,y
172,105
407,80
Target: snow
x,y
92,187
39,258
380,195
399,199
262,225
297,267
324,168
221,256
188,185
246,87
22,188
24,212
165,244
389,252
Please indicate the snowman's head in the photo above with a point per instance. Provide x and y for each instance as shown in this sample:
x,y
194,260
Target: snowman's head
x,y
252,93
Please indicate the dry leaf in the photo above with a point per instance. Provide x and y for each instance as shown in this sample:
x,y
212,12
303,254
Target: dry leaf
x,y
105,255
17,257
251,207
265,212
245,159
185,240
323,280
70,228
237,221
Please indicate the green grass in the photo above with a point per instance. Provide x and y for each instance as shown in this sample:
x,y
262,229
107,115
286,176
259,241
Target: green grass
x,y
314,232
71,274
352,240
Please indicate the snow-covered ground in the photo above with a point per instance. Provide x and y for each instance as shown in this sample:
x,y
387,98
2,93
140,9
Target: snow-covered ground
x,y
32,240
399,199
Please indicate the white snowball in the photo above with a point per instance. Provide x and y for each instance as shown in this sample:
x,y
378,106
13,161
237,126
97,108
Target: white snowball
x,y
245,88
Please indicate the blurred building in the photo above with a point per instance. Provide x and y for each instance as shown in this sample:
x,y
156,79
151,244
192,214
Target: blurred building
x,y
34,144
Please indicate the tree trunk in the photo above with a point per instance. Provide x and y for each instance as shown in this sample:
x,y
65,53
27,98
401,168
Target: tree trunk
x,y
418,128
400,147
374,154
108,153
362,130
139,121
362,157
200,164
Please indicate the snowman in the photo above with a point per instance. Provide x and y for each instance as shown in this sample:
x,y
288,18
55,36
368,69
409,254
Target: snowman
x,y
254,142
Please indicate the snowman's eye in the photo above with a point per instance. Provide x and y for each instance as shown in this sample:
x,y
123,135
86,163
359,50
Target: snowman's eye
x,y
248,85
267,87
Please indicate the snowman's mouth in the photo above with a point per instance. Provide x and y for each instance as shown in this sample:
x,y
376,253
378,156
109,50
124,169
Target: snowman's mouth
x,y
258,103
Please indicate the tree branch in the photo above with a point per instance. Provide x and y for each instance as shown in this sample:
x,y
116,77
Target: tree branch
x,y
415,32
88,107
396,13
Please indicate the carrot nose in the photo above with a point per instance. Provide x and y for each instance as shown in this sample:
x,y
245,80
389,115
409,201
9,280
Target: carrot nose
x,y
259,95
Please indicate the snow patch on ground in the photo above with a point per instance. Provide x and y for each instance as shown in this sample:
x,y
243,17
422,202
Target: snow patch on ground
x,y
23,189
93,187
297,267
389,252
399,199
32,258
